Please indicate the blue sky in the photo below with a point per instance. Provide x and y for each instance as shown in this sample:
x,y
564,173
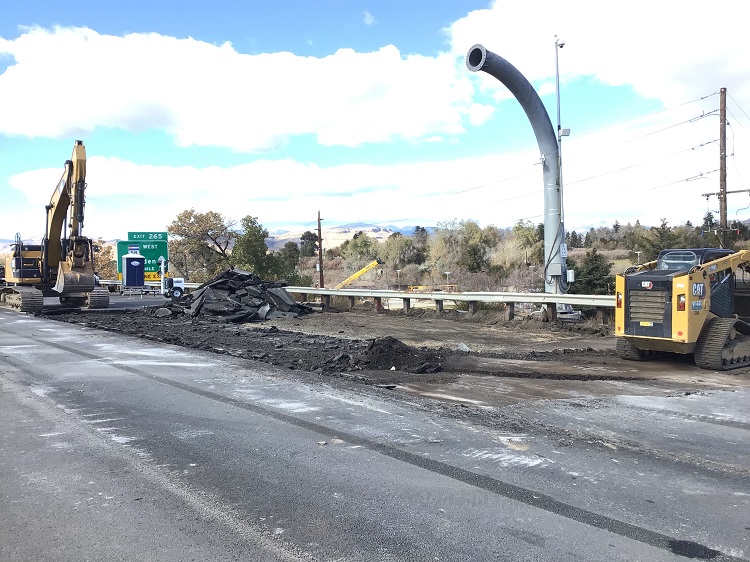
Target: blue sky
x,y
366,111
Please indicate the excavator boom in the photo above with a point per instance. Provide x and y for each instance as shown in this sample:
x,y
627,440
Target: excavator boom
x,y
63,264
358,274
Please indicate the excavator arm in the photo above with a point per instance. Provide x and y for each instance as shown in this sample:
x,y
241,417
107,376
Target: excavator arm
x,y
73,254
359,274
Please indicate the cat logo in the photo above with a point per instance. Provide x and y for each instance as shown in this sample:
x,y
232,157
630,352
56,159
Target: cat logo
x,y
699,290
647,284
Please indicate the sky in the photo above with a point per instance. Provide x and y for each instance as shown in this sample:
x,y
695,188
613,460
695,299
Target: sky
x,y
366,111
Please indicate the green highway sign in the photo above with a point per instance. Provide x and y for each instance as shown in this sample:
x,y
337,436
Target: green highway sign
x,y
147,236
152,250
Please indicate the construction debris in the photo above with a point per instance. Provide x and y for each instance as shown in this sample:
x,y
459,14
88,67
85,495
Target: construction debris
x,y
239,296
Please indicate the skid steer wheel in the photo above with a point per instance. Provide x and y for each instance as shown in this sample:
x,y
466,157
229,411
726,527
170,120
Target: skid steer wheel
x,y
176,293
626,350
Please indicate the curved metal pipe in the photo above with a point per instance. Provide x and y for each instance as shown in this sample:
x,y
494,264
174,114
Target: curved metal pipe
x,y
478,58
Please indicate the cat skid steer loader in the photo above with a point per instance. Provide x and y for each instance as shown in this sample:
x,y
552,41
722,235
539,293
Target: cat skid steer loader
x,y
687,301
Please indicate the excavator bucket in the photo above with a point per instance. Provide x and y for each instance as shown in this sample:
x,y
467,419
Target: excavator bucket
x,y
74,281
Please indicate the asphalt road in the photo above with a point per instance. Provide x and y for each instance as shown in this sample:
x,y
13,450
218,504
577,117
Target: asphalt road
x,y
114,448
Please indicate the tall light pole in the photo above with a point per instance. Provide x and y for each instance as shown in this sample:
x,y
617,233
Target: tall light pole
x,y
447,273
320,251
559,44
398,278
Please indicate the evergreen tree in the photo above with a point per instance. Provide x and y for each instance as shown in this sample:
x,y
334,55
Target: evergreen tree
x,y
308,245
593,275
250,251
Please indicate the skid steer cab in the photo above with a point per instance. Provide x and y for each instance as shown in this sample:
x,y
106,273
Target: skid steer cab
x,y
173,287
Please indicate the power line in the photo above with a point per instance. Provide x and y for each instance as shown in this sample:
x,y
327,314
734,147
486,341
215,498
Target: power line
x,y
699,176
660,157
737,104
688,121
645,115
691,120
735,119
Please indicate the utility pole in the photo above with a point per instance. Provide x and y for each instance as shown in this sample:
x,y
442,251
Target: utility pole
x,y
723,168
320,252
723,232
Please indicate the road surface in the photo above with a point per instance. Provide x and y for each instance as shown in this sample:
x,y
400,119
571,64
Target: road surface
x,y
116,448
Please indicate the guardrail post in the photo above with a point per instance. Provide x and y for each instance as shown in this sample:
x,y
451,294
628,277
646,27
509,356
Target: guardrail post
x,y
439,306
326,302
407,305
351,302
603,315
303,296
511,310
473,307
378,304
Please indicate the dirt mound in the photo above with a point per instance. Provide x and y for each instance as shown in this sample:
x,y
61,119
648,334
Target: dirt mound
x,y
390,353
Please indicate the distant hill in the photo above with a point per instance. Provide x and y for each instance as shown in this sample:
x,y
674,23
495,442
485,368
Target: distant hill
x,y
333,237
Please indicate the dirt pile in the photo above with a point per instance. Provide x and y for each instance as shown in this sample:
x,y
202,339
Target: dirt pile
x,y
294,350
387,354
237,296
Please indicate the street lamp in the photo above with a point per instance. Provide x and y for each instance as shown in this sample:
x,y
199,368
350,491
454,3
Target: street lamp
x,y
447,273
559,44
398,278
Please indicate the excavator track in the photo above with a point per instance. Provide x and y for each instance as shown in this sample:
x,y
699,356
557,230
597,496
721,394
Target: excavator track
x,y
724,344
98,298
22,299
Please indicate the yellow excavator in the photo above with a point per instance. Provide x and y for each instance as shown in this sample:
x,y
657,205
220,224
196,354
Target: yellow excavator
x,y
63,264
359,274
687,301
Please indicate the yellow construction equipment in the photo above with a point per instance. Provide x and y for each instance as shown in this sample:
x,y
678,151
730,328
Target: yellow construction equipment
x,y
63,264
686,301
359,274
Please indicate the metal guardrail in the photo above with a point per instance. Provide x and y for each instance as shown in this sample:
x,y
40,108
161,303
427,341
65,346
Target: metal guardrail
x,y
599,301
157,284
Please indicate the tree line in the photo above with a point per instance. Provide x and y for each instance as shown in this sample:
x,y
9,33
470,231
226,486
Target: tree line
x,y
487,258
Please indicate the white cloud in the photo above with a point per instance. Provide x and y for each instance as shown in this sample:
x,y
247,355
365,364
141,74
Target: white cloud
x,y
500,189
368,18
68,81
667,51
204,94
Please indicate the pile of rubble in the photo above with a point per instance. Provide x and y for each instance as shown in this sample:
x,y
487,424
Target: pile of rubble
x,y
237,296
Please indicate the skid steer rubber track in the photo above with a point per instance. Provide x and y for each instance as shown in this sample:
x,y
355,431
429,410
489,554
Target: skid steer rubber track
x,y
98,298
724,344
22,299
626,350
